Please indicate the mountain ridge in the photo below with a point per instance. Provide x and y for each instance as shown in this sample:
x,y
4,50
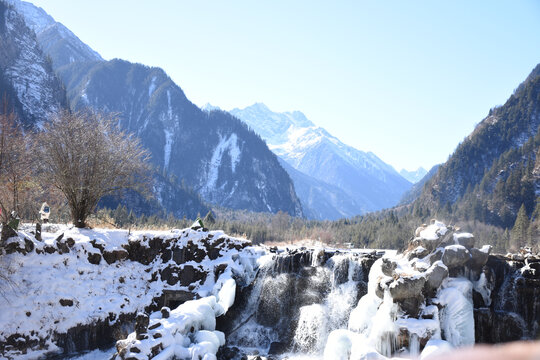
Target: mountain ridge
x,y
213,154
372,184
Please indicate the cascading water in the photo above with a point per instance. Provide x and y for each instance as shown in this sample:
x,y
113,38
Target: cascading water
x,y
298,299
315,304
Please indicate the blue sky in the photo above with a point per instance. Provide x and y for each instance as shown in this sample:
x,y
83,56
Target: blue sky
x,y
407,80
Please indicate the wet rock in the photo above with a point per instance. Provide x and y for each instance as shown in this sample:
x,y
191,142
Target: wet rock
x,y
382,286
455,256
495,327
277,348
230,353
412,305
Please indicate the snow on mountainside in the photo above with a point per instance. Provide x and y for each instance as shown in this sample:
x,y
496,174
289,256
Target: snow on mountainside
x,y
414,176
213,153
320,200
372,183
55,39
26,74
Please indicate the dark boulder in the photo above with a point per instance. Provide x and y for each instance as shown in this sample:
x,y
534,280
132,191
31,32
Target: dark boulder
x,y
94,258
278,348
464,239
479,258
455,256
115,255
66,302
435,276
406,287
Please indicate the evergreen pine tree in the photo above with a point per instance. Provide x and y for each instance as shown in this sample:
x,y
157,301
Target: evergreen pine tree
x,y
520,231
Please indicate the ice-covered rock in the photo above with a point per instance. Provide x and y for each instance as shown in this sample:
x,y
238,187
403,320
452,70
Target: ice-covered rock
x,y
457,317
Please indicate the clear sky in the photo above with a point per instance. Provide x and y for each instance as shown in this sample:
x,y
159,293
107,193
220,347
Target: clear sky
x,y
407,80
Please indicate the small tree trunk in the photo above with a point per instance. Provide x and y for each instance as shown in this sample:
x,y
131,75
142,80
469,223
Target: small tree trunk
x,y
78,216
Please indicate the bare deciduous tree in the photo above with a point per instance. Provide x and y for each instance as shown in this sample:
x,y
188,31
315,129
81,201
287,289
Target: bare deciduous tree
x,y
86,156
15,168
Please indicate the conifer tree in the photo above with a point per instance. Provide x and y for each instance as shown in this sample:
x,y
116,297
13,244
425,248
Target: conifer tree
x,y
518,235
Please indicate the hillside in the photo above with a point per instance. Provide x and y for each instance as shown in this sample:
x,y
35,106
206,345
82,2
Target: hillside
x,y
494,171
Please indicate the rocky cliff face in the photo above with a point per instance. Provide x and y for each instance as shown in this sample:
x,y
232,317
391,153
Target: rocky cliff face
x,y
26,75
513,311
58,42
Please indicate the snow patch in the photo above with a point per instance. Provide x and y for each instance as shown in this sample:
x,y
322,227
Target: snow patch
x,y
226,144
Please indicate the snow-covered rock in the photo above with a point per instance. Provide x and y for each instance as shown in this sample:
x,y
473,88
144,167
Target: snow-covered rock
x,y
79,277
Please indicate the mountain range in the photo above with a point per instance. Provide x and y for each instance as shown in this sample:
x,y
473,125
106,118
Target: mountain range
x,y
333,180
215,155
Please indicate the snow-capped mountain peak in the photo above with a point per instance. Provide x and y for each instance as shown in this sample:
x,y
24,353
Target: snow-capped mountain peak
x,y
414,176
313,151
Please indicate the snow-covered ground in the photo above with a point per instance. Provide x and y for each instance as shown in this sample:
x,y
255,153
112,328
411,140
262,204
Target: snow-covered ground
x,y
64,281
